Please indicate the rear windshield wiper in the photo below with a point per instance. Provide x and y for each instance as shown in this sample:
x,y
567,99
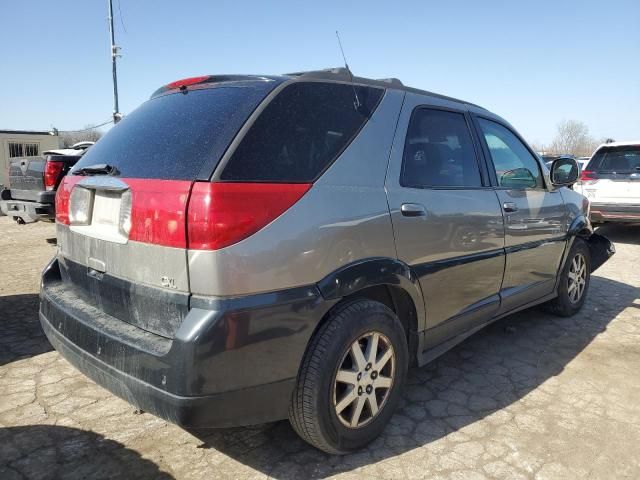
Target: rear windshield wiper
x,y
97,169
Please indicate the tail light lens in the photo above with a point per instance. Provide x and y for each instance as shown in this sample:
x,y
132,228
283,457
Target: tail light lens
x,y
217,214
62,198
221,214
124,222
588,175
154,211
52,172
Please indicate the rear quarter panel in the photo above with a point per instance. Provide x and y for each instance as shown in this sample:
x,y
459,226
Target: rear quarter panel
x,y
343,218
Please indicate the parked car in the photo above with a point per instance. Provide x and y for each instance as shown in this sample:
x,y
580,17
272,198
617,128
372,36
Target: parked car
x,y
33,182
582,162
611,182
287,246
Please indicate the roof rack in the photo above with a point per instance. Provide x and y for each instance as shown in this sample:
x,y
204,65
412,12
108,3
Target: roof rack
x,y
396,82
325,73
342,74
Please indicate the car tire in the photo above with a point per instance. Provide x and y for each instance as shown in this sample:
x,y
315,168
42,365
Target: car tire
x,y
342,401
574,281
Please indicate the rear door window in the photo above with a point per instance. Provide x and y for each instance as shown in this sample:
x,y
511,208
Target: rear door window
x,y
301,132
619,160
174,136
439,152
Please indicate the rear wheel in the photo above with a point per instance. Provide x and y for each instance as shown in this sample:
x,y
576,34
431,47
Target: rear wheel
x,y
574,281
351,378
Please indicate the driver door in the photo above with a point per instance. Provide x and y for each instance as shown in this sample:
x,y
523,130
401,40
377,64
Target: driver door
x,y
534,217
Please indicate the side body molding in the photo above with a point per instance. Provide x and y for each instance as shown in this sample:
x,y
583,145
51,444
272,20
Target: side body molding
x,y
372,272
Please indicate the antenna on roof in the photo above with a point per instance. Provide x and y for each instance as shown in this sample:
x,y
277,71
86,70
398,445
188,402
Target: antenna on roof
x,y
356,103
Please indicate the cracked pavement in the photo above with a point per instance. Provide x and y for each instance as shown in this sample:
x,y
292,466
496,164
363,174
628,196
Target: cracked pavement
x,y
532,396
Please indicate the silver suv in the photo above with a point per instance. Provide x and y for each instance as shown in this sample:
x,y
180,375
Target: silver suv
x,y
243,249
611,182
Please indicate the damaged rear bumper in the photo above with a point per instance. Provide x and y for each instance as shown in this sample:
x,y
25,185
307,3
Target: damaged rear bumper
x,y
225,409
232,362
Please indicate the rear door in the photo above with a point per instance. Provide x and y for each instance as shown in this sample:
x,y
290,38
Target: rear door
x,y
535,218
446,218
612,176
122,210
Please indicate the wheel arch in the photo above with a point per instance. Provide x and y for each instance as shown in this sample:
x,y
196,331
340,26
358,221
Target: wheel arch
x,y
385,280
600,247
580,227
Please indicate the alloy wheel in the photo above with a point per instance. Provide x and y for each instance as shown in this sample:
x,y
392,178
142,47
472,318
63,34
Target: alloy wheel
x,y
364,379
577,278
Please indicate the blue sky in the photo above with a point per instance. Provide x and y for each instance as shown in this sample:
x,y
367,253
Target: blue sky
x,y
535,63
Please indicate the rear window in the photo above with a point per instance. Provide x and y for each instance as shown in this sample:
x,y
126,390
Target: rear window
x,y
616,160
175,136
301,132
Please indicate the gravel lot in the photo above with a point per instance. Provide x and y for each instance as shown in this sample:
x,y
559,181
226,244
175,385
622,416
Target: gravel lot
x,y
532,396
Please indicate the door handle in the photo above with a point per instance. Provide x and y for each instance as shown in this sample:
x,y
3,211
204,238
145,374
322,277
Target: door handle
x,y
413,210
510,207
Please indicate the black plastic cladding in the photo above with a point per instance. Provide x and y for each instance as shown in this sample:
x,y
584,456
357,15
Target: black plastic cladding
x,y
222,346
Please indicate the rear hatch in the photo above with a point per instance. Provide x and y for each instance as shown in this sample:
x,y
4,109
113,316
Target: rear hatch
x,y
612,176
122,210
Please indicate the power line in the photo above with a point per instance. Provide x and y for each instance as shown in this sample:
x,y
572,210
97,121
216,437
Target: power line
x,y
121,20
93,127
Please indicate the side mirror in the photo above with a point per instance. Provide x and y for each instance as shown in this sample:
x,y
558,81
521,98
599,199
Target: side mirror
x,y
564,172
518,178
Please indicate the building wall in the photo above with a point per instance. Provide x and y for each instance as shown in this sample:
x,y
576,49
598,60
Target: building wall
x,y
45,142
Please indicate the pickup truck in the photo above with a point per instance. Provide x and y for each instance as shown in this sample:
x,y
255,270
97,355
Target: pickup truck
x,y
33,182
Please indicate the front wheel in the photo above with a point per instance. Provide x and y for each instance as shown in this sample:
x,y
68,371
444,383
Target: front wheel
x,y
351,378
574,281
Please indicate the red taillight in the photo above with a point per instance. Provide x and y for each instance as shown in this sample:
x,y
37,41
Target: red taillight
x,y
186,81
587,175
217,215
62,198
52,171
158,211
221,214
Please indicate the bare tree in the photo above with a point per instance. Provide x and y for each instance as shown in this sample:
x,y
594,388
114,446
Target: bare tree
x,y
538,147
573,138
87,134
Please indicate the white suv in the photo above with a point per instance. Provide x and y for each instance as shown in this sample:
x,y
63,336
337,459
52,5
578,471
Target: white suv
x,y
611,182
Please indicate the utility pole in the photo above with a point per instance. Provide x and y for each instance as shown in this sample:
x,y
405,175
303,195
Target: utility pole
x,y
114,55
